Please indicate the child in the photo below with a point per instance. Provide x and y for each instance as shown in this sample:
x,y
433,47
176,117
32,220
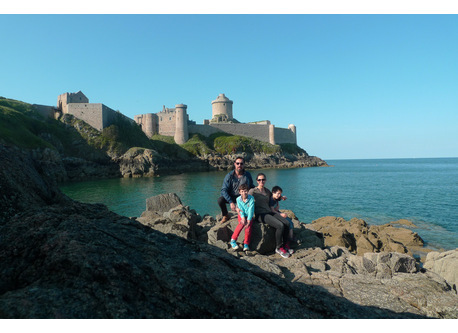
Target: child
x,y
245,210
275,206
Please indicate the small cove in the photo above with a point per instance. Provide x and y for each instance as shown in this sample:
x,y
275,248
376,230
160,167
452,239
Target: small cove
x,y
424,191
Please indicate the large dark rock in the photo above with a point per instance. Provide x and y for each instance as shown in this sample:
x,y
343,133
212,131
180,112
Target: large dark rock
x,y
262,235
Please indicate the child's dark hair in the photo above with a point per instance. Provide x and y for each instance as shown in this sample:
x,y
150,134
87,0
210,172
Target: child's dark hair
x,y
275,189
243,187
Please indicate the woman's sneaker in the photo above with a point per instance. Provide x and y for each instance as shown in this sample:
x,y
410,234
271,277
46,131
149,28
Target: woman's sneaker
x,y
234,244
288,249
281,251
246,247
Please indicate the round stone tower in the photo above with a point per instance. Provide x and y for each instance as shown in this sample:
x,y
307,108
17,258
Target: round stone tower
x,y
181,120
149,125
222,108
271,134
292,128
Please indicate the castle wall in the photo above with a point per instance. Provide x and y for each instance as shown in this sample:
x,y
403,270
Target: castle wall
x,y
259,132
45,110
91,113
205,130
97,115
284,135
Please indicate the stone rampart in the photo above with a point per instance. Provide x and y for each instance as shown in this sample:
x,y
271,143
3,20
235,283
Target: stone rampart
x,y
259,132
45,111
284,135
91,113
97,115
205,130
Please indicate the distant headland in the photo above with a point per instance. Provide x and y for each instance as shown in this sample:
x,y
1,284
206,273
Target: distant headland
x,y
173,122
79,140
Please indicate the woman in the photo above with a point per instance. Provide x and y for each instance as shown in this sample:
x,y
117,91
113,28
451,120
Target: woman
x,y
264,214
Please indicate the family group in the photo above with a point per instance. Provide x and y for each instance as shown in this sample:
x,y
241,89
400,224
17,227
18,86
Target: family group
x,y
255,204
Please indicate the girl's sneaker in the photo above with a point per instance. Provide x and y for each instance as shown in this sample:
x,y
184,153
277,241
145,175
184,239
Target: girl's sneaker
x,y
234,244
281,251
246,247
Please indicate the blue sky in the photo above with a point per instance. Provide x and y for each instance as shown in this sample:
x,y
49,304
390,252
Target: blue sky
x,y
355,86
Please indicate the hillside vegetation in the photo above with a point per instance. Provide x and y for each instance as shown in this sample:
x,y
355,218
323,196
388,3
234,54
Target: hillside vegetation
x,y
20,125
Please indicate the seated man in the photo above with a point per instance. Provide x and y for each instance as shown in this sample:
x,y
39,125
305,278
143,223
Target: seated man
x,y
230,188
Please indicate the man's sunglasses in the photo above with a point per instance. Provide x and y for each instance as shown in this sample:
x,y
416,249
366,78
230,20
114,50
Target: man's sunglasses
x,y
261,180
238,163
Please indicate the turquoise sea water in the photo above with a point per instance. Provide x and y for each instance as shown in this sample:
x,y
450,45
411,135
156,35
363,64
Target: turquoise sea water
x,y
424,191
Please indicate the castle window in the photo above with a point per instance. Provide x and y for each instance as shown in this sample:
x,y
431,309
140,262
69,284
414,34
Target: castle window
x,y
170,118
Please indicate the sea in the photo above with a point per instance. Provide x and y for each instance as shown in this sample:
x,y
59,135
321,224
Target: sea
x,y
379,191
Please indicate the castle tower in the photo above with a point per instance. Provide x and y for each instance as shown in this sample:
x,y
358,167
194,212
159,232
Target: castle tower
x,y
272,134
148,124
64,99
181,118
222,106
292,128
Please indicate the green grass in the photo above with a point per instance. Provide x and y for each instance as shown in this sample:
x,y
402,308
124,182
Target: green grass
x,y
234,144
197,145
20,125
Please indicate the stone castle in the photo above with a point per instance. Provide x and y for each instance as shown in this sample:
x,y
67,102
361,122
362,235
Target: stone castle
x,y
170,121
175,122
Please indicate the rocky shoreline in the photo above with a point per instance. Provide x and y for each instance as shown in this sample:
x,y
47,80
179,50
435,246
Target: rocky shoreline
x,y
63,259
368,265
141,162
88,154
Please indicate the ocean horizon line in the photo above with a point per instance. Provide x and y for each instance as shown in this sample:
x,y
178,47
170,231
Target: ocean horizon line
x,y
385,158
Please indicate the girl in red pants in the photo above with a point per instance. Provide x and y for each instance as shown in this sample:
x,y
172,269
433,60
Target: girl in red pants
x,y
245,209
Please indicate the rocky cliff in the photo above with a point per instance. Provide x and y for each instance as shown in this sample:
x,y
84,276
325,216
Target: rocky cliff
x,y
64,259
71,150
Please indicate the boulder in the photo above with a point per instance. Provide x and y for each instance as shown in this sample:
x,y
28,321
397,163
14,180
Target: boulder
x,y
262,236
384,264
163,202
165,213
204,226
304,236
360,238
444,264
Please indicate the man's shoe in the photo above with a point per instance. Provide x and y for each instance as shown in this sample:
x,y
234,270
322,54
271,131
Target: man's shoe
x,y
234,244
246,247
225,218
